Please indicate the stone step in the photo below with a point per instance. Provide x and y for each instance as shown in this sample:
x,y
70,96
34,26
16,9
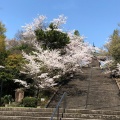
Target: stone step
x,y
38,118
50,110
91,116
23,113
26,109
84,111
79,119
23,118
45,114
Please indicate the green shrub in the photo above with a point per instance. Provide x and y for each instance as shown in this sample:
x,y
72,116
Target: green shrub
x,y
7,99
16,104
30,102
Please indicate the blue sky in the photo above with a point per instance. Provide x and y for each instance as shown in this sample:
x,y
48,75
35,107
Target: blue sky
x,y
95,19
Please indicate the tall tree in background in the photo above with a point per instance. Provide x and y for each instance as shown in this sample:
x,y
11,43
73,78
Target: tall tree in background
x,y
18,35
2,43
2,37
114,46
112,51
2,29
76,32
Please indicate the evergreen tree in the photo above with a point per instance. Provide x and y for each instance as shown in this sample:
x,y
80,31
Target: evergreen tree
x,y
114,47
52,39
76,33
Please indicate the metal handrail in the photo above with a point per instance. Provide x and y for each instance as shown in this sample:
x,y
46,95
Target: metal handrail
x,y
63,98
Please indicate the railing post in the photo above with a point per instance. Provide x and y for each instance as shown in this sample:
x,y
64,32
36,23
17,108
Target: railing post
x,y
58,114
56,111
64,103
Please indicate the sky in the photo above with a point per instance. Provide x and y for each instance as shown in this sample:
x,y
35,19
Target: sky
x,y
95,19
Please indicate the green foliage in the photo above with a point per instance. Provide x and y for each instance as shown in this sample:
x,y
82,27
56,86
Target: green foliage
x,y
30,102
56,39
52,39
14,61
114,47
15,104
13,66
5,75
6,79
7,99
52,26
76,33
2,44
3,56
3,52
22,47
2,29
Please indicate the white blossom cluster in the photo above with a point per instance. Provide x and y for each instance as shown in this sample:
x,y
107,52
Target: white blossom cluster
x,y
24,83
78,52
59,21
2,66
118,68
43,59
29,28
50,58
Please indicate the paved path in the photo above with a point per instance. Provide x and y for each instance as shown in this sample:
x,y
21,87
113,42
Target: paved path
x,y
103,92
91,90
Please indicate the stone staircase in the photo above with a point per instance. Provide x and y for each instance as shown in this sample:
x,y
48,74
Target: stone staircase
x,y
45,113
90,90
100,102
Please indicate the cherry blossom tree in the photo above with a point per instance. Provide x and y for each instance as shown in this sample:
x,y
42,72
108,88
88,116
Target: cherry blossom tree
x,y
47,66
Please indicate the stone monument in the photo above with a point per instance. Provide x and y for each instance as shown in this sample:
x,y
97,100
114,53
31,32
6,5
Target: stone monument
x,y
19,95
